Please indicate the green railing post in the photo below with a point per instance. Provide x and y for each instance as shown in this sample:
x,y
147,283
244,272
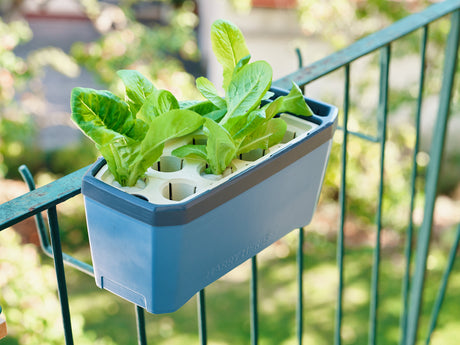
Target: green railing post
x,y
382,125
202,318
60,274
42,231
342,201
299,311
410,227
432,177
140,323
443,286
253,309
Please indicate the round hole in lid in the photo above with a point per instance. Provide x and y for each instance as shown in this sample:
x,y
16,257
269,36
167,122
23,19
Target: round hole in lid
x,y
168,164
253,155
199,140
288,136
177,190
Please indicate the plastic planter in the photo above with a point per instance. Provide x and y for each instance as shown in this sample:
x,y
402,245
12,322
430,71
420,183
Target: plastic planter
x,y
195,228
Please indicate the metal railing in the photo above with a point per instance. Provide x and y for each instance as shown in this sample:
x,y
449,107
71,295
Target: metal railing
x,y
46,198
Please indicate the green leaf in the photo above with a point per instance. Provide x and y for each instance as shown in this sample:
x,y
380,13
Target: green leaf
x,y
191,151
271,133
208,90
229,47
201,107
216,115
138,88
220,146
254,120
102,116
120,155
277,127
188,103
243,62
138,131
158,102
172,124
268,95
245,92
129,145
205,108
293,103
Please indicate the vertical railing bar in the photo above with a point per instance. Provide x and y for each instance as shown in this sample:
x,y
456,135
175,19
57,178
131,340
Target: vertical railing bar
x,y
410,227
432,177
60,274
382,123
300,65
300,256
40,223
342,200
299,312
140,323
443,287
254,303
43,232
202,318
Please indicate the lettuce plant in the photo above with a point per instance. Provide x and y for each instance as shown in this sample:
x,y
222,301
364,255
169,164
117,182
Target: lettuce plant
x,y
239,123
131,133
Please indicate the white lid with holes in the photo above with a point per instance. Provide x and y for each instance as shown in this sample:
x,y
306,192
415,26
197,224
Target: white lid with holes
x,y
172,179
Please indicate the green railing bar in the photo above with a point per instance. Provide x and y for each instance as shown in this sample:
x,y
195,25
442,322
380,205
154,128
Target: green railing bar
x,y
299,311
342,200
60,274
140,323
361,135
42,231
382,125
300,65
443,287
40,199
39,221
432,176
253,311
368,44
202,318
409,232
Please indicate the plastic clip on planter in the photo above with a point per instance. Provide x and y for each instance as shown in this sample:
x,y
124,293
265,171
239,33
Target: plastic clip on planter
x,y
158,244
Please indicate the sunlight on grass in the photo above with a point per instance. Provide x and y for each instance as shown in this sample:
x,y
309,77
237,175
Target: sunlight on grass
x,y
446,334
356,295
321,282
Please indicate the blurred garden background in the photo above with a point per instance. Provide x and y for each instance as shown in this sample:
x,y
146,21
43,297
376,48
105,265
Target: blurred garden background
x,y
47,47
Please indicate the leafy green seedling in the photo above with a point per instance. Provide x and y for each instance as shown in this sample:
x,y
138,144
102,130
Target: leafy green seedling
x,y
239,123
131,134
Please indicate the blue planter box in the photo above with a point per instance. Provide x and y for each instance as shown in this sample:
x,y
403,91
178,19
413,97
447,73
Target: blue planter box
x,y
158,255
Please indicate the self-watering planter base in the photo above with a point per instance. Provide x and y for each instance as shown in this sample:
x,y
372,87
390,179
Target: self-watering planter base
x,y
160,242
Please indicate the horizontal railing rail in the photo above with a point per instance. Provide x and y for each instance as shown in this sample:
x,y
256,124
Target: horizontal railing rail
x,y
46,198
368,44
